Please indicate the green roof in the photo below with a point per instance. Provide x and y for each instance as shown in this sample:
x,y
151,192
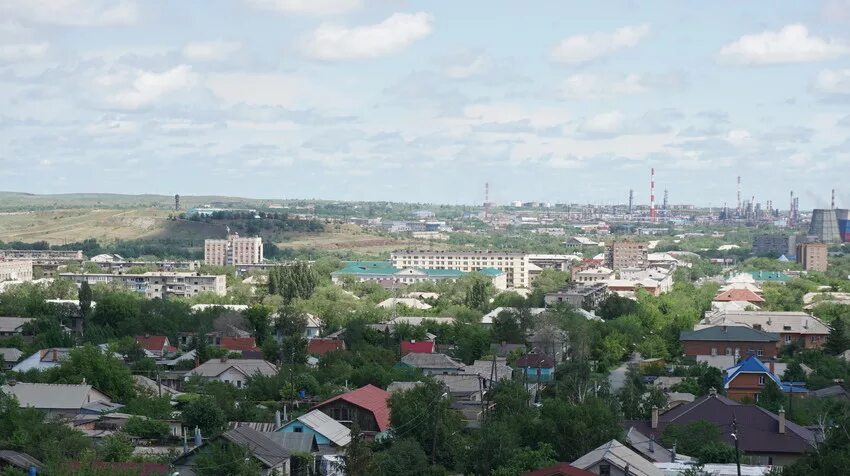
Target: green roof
x,y
490,271
384,267
443,272
770,276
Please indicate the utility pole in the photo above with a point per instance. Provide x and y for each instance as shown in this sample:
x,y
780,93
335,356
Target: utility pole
x,y
735,437
434,442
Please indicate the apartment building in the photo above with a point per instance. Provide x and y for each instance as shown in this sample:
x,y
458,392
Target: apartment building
x,y
516,266
16,270
158,284
627,254
770,245
41,255
812,256
233,250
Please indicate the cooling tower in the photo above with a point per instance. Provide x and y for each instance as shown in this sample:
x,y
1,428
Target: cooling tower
x,y
825,225
843,216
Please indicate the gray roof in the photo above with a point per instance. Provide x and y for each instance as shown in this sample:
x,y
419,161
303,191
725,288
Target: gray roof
x,y
261,426
150,386
11,354
294,442
729,334
402,386
461,383
617,454
485,367
832,391
248,367
261,447
654,452
21,460
431,361
49,395
13,324
323,424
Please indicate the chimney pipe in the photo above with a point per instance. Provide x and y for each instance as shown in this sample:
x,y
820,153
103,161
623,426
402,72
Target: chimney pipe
x,y
654,417
782,421
277,419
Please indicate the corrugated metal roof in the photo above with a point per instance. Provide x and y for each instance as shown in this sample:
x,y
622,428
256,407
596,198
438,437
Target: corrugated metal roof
x,y
294,442
248,367
49,395
21,460
430,361
263,448
326,426
620,456
728,334
13,324
11,354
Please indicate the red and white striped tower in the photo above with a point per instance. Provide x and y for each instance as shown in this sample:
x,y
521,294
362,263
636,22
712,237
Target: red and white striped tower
x,y
652,196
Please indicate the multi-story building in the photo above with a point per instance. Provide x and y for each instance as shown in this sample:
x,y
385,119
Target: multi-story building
x,y
36,255
627,254
812,256
793,328
233,250
770,245
158,284
585,296
15,270
514,265
390,277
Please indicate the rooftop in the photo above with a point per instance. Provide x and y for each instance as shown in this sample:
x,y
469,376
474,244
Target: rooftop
x,y
728,334
371,398
248,367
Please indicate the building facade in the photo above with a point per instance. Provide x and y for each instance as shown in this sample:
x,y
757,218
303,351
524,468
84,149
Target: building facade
x,y
390,277
15,270
770,245
585,296
627,254
514,265
158,284
233,251
812,256
39,255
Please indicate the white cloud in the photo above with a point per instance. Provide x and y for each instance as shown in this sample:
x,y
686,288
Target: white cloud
x,y
791,44
468,66
72,12
582,48
739,137
210,50
604,123
307,7
594,86
334,42
23,51
833,81
508,113
257,89
149,87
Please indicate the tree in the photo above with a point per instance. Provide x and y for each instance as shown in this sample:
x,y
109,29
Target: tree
x,y
204,413
428,401
476,295
146,428
403,456
526,459
358,455
99,369
837,340
700,439
575,429
295,281
258,319
222,458
615,306
507,327
85,298
772,397
116,447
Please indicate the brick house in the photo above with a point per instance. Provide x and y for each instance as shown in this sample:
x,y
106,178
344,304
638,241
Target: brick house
x,y
749,378
729,340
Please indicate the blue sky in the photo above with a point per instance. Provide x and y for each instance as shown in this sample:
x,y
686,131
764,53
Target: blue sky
x,y
555,101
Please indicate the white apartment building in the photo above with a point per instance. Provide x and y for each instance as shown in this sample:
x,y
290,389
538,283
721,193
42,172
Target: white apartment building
x,y
16,270
158,284
514,265
234,250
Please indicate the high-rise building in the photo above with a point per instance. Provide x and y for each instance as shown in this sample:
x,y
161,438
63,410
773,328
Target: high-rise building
x,y
770,245
812,256
825,225
234,250
627,254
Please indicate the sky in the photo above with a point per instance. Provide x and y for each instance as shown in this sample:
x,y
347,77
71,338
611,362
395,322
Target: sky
x,y
425,101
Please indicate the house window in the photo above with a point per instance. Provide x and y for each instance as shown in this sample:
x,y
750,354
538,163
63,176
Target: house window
x,y
787,339
729,351
604,469
298,429
760,352
713,351
761,379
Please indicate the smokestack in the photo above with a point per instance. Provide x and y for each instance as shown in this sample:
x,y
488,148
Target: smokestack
x,y
654,417
631,199
739,195
832,202
782,421
652,195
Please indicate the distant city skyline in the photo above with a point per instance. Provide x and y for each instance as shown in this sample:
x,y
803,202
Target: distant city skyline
x,y
410,101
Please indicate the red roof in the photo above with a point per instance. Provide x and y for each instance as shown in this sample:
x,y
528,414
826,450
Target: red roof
x,y
739,295
371,398
421,347
560,469
238,343
152,343
319,346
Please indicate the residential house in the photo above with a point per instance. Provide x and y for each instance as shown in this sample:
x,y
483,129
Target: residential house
x,y
43,359
650,449
432,364
560,469
739,295
794,328
233,371
616,459
328,432
749,377
314,326
407,302
421,347
246,346
323,345
155,346
834,391
729,340
11,460
9,357
402,386
765,436
463,387
367,407
13,326
58,399
537,367
272,458
628,287
487,319
490,371
296,444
